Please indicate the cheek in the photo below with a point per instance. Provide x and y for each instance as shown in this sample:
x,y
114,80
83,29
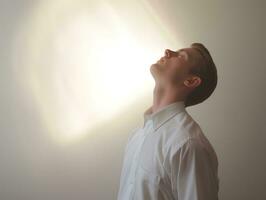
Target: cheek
x,y
175,63
177,70
176,66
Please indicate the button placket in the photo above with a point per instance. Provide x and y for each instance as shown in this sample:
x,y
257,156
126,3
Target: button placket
x,y
145,131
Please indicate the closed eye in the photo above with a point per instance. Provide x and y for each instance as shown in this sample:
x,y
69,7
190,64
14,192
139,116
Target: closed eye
x,y
180,55
183,54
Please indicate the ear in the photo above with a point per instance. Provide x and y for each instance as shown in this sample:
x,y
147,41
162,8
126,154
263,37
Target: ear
x,y
192,82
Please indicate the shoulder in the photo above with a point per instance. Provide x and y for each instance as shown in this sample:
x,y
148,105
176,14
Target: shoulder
x,y
187,136
181,129
192,147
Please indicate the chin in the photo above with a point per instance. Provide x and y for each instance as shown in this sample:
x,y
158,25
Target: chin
x,y
154,65
154,71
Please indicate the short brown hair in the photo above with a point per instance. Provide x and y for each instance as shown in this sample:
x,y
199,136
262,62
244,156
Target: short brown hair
x,y
207,71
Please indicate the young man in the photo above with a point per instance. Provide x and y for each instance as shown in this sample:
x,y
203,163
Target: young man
x,y
169,158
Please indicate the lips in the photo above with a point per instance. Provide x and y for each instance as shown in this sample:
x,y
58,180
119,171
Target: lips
x,y
161,60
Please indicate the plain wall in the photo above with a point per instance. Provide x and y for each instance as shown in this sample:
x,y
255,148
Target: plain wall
x,y
233,118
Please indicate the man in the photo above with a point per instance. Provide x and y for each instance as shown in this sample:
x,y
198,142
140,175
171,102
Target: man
x,y
169,158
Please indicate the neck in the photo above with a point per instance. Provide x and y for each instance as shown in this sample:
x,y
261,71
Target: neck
x,y
163,96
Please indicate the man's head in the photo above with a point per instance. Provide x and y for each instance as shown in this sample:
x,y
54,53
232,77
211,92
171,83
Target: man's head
x,y
191,70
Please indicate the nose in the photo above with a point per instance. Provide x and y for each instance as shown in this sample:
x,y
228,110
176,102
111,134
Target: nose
x,y
167,53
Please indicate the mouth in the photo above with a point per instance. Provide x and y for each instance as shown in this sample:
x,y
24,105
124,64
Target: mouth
x,y
161,60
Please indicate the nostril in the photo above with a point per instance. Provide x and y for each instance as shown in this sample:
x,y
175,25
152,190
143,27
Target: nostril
x,y
166,52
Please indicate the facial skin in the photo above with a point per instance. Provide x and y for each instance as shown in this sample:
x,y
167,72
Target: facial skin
x,y
172,70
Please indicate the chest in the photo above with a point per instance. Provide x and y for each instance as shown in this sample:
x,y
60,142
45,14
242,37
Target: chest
x,y
145,152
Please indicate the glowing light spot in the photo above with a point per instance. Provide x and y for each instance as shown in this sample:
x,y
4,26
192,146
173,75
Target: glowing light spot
x,y
84,63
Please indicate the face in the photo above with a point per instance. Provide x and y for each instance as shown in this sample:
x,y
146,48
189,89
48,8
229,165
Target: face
x,y
174,66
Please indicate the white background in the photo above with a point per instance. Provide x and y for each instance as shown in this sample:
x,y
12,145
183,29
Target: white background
x,y
34,167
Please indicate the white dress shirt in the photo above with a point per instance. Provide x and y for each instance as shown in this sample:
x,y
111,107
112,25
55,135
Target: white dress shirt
x,y
169,158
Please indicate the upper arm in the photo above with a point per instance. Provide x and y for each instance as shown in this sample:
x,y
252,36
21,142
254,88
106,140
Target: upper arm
x,y
193,173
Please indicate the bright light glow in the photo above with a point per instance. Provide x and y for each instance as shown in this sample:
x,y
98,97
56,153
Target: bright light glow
x,y
85,62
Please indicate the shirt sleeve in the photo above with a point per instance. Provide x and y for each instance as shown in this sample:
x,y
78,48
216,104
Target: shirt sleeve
x,y
193,175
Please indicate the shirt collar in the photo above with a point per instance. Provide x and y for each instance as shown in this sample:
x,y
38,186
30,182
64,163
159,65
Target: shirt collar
x,y
164,114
